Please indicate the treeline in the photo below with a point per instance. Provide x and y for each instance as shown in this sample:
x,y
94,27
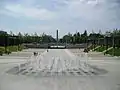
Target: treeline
x,y
26,38
8,40
78,38
110,38
12,39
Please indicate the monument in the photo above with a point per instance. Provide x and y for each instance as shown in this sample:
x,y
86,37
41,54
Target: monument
x,y
57,37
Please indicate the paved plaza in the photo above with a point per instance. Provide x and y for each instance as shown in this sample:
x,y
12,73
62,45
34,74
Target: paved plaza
x,y
59,69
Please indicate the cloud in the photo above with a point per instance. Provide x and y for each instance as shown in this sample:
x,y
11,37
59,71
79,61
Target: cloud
x,y
66,15
43,28
93,2
29,12
89,14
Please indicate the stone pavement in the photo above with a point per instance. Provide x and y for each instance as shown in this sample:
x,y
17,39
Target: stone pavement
x,y
64,59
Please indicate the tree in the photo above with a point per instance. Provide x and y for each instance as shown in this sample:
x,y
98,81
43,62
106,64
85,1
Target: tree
x,y
3,36
20,36
84,36
67,38
85,33
78,37
11,33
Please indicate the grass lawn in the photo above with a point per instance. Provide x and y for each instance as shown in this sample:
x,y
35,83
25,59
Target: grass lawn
x,y
101,49
116,52
92,47
14,48
2,49
10,49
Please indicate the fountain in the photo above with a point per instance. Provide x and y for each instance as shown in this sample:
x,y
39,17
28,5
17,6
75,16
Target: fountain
x,y
36,66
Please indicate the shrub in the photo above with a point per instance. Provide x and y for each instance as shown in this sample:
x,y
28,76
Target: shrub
x,y
20,48
2,49
1,52
12,48
8,51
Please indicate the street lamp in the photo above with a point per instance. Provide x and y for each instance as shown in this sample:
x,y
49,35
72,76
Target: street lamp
x,y
106,41
113,43
114,37
6,43
94,43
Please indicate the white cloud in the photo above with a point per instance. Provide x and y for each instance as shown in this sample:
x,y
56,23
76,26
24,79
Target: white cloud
x,y
40,27
66,15
95,2
30,12
78,9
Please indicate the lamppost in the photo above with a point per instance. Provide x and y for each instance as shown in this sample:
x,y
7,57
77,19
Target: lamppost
x,y
99,42
114,37
6,43
113,45
86,42
94,43
106,41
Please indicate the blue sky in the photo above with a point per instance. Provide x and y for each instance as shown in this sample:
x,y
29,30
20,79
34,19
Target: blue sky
x,y
29,16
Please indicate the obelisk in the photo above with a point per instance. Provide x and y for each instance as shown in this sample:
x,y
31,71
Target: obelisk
x,y
57,37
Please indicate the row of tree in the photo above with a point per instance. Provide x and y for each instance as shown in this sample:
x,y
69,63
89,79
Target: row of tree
x,y
12,39
108,38
77,38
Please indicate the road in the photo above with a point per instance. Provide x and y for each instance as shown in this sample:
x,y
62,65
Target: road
x,y
107,81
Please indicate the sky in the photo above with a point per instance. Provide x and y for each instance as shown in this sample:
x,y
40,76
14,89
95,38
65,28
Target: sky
x,y
46,16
